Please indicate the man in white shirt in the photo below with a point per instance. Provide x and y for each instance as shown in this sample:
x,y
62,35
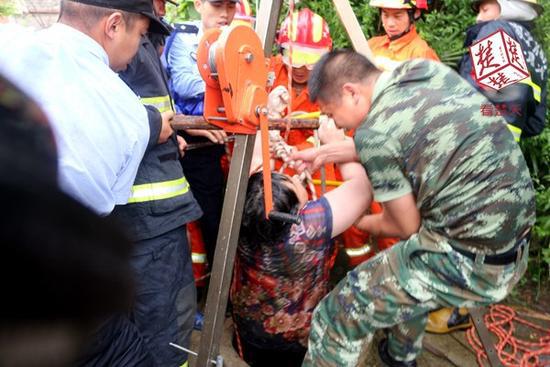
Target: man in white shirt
x,y
100,125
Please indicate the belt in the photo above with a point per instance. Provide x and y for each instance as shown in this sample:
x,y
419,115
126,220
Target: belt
x,y
505,258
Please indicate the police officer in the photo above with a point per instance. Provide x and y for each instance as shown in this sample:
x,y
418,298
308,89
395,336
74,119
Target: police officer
x,y
155,217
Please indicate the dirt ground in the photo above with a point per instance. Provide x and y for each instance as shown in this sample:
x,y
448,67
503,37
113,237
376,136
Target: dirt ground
x,y
453,351
450,350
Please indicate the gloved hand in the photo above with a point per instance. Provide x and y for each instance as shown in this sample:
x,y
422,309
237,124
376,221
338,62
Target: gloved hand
x,y
277,102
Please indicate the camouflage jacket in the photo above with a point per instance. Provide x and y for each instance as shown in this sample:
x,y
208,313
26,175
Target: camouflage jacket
x,y
425,135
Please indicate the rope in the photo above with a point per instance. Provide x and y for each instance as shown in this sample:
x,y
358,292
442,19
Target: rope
x,y
289,67
512,351
281,150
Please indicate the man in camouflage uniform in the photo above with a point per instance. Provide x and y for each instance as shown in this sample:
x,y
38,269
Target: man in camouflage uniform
x,y
454,186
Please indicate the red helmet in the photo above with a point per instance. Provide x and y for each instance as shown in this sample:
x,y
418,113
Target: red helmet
x,y
309,34
243,14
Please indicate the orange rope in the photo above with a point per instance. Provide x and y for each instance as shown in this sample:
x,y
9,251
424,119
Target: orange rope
x,y
512,352
289,67
281,150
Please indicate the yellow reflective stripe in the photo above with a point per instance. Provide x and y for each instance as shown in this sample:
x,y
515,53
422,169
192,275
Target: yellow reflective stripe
x,y
158,190
186,364
360,251
161,103
536,89
307,115
303,55
293,27
247,9
516,131
198,258
334,183
317,27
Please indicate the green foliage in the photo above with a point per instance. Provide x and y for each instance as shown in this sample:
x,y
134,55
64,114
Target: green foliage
x,y
367,16
184,12
537,154
7,8
445,29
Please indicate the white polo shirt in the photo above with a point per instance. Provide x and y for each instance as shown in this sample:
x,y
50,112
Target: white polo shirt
x,y
100,126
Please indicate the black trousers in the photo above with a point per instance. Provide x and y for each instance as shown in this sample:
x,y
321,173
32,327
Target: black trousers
x,y
117,342
165,306
163,312
260,357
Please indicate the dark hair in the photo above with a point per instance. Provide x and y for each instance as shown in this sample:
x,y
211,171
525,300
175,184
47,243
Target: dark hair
x,y
89,15
333,70
256,230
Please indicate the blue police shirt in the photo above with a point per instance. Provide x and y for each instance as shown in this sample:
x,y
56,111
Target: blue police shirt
x,y
180,61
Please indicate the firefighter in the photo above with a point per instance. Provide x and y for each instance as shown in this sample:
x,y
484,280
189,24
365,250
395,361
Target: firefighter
x,y
523,104
201,166
155,217
401,41
243,14
303,38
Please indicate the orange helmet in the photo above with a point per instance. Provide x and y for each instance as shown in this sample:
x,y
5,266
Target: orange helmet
x,y
310,37
243,14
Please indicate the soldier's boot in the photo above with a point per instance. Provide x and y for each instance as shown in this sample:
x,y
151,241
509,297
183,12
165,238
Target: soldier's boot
x,y
448,319
388,360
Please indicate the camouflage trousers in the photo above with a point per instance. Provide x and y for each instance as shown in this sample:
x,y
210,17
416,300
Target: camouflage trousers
x,y
396,289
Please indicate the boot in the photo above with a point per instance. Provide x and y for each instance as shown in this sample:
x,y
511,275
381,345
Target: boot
x,y
388,360
447,319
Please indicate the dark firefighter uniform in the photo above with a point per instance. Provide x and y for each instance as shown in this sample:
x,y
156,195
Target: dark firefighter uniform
x,y
523,104
202,166
155,217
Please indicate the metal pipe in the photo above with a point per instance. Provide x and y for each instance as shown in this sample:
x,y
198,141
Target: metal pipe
x,y
184,122
226,248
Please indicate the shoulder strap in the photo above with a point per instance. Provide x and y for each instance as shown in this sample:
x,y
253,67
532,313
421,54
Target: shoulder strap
x,y
178,28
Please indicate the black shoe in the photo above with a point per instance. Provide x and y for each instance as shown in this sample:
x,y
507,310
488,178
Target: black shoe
x,y
388,360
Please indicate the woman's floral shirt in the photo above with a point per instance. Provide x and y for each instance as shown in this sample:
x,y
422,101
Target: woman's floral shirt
x,y
275,288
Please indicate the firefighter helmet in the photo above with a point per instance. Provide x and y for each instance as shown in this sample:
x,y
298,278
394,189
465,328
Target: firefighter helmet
x,y
503,3
243,14
399,4
309,36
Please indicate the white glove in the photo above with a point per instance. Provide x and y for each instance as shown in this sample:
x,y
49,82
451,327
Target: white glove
x,y
277,102
386,64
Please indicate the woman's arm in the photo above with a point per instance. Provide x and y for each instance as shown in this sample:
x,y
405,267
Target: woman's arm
x,y
351,199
